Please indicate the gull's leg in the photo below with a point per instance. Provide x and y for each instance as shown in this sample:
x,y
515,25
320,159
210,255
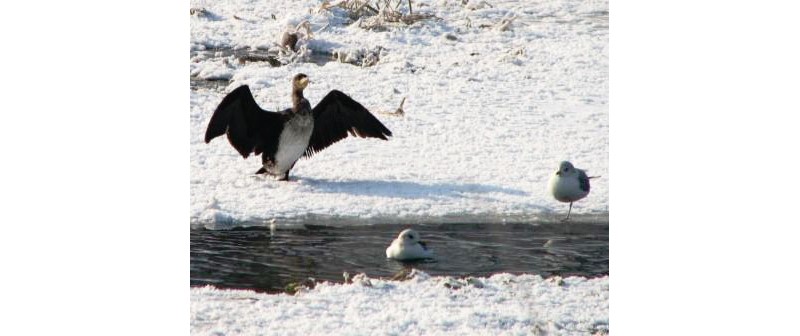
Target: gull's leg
x,y
568,212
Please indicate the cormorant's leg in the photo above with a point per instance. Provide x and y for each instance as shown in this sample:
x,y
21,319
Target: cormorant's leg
x,y
286,176
568,212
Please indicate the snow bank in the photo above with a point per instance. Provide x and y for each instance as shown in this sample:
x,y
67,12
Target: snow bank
x,y
489,113
503,303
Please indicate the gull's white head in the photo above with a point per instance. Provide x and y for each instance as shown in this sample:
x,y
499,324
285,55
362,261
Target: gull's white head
x,y
408,237
565,169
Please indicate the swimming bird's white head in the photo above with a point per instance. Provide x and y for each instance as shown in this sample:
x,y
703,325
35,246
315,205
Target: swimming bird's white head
x,y
566,169
408,246
408,237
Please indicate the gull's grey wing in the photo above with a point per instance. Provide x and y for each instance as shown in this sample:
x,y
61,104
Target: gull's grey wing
x,y
583,179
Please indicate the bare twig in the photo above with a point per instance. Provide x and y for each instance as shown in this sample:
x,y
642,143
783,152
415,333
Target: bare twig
x,y
359,9
307,26
505,23
473,5
398,112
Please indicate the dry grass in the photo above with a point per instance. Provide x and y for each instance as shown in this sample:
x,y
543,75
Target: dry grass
x,y
384,12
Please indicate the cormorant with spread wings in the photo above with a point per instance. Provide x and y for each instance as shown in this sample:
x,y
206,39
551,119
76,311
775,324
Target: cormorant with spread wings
x,y
283,137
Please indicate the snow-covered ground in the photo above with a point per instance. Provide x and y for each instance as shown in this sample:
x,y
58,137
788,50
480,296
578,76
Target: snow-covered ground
x,y
489,113
502,304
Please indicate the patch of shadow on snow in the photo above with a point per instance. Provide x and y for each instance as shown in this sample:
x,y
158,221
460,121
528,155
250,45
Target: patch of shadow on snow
x,y
406,189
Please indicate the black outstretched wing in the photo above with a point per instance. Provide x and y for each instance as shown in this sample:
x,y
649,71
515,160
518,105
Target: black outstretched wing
x,y
250,129
338,114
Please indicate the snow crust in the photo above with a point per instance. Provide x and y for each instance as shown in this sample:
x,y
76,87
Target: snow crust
x,y
489,113
501,304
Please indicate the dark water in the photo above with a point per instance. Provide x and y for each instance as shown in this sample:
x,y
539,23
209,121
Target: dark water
x,y
252,258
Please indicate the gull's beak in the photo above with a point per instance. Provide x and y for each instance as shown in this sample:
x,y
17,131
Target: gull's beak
x,y
558,173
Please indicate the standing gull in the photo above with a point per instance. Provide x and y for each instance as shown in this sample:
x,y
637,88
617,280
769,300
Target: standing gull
x,y
407,246
284,137
569,184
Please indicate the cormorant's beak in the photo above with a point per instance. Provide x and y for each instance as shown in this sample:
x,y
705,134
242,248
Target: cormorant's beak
x,y
558,173
304,82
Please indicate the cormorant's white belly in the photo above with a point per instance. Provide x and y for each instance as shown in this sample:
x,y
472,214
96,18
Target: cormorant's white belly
x,y
292,143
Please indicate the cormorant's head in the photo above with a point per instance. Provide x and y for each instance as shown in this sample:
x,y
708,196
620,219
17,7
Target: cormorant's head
x,y
565,168
300,81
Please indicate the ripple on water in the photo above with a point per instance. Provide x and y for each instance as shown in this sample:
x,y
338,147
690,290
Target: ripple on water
x,y
253,258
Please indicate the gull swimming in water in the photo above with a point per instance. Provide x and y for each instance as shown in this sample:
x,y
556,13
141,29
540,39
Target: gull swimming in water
x,y
407,246
569,184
